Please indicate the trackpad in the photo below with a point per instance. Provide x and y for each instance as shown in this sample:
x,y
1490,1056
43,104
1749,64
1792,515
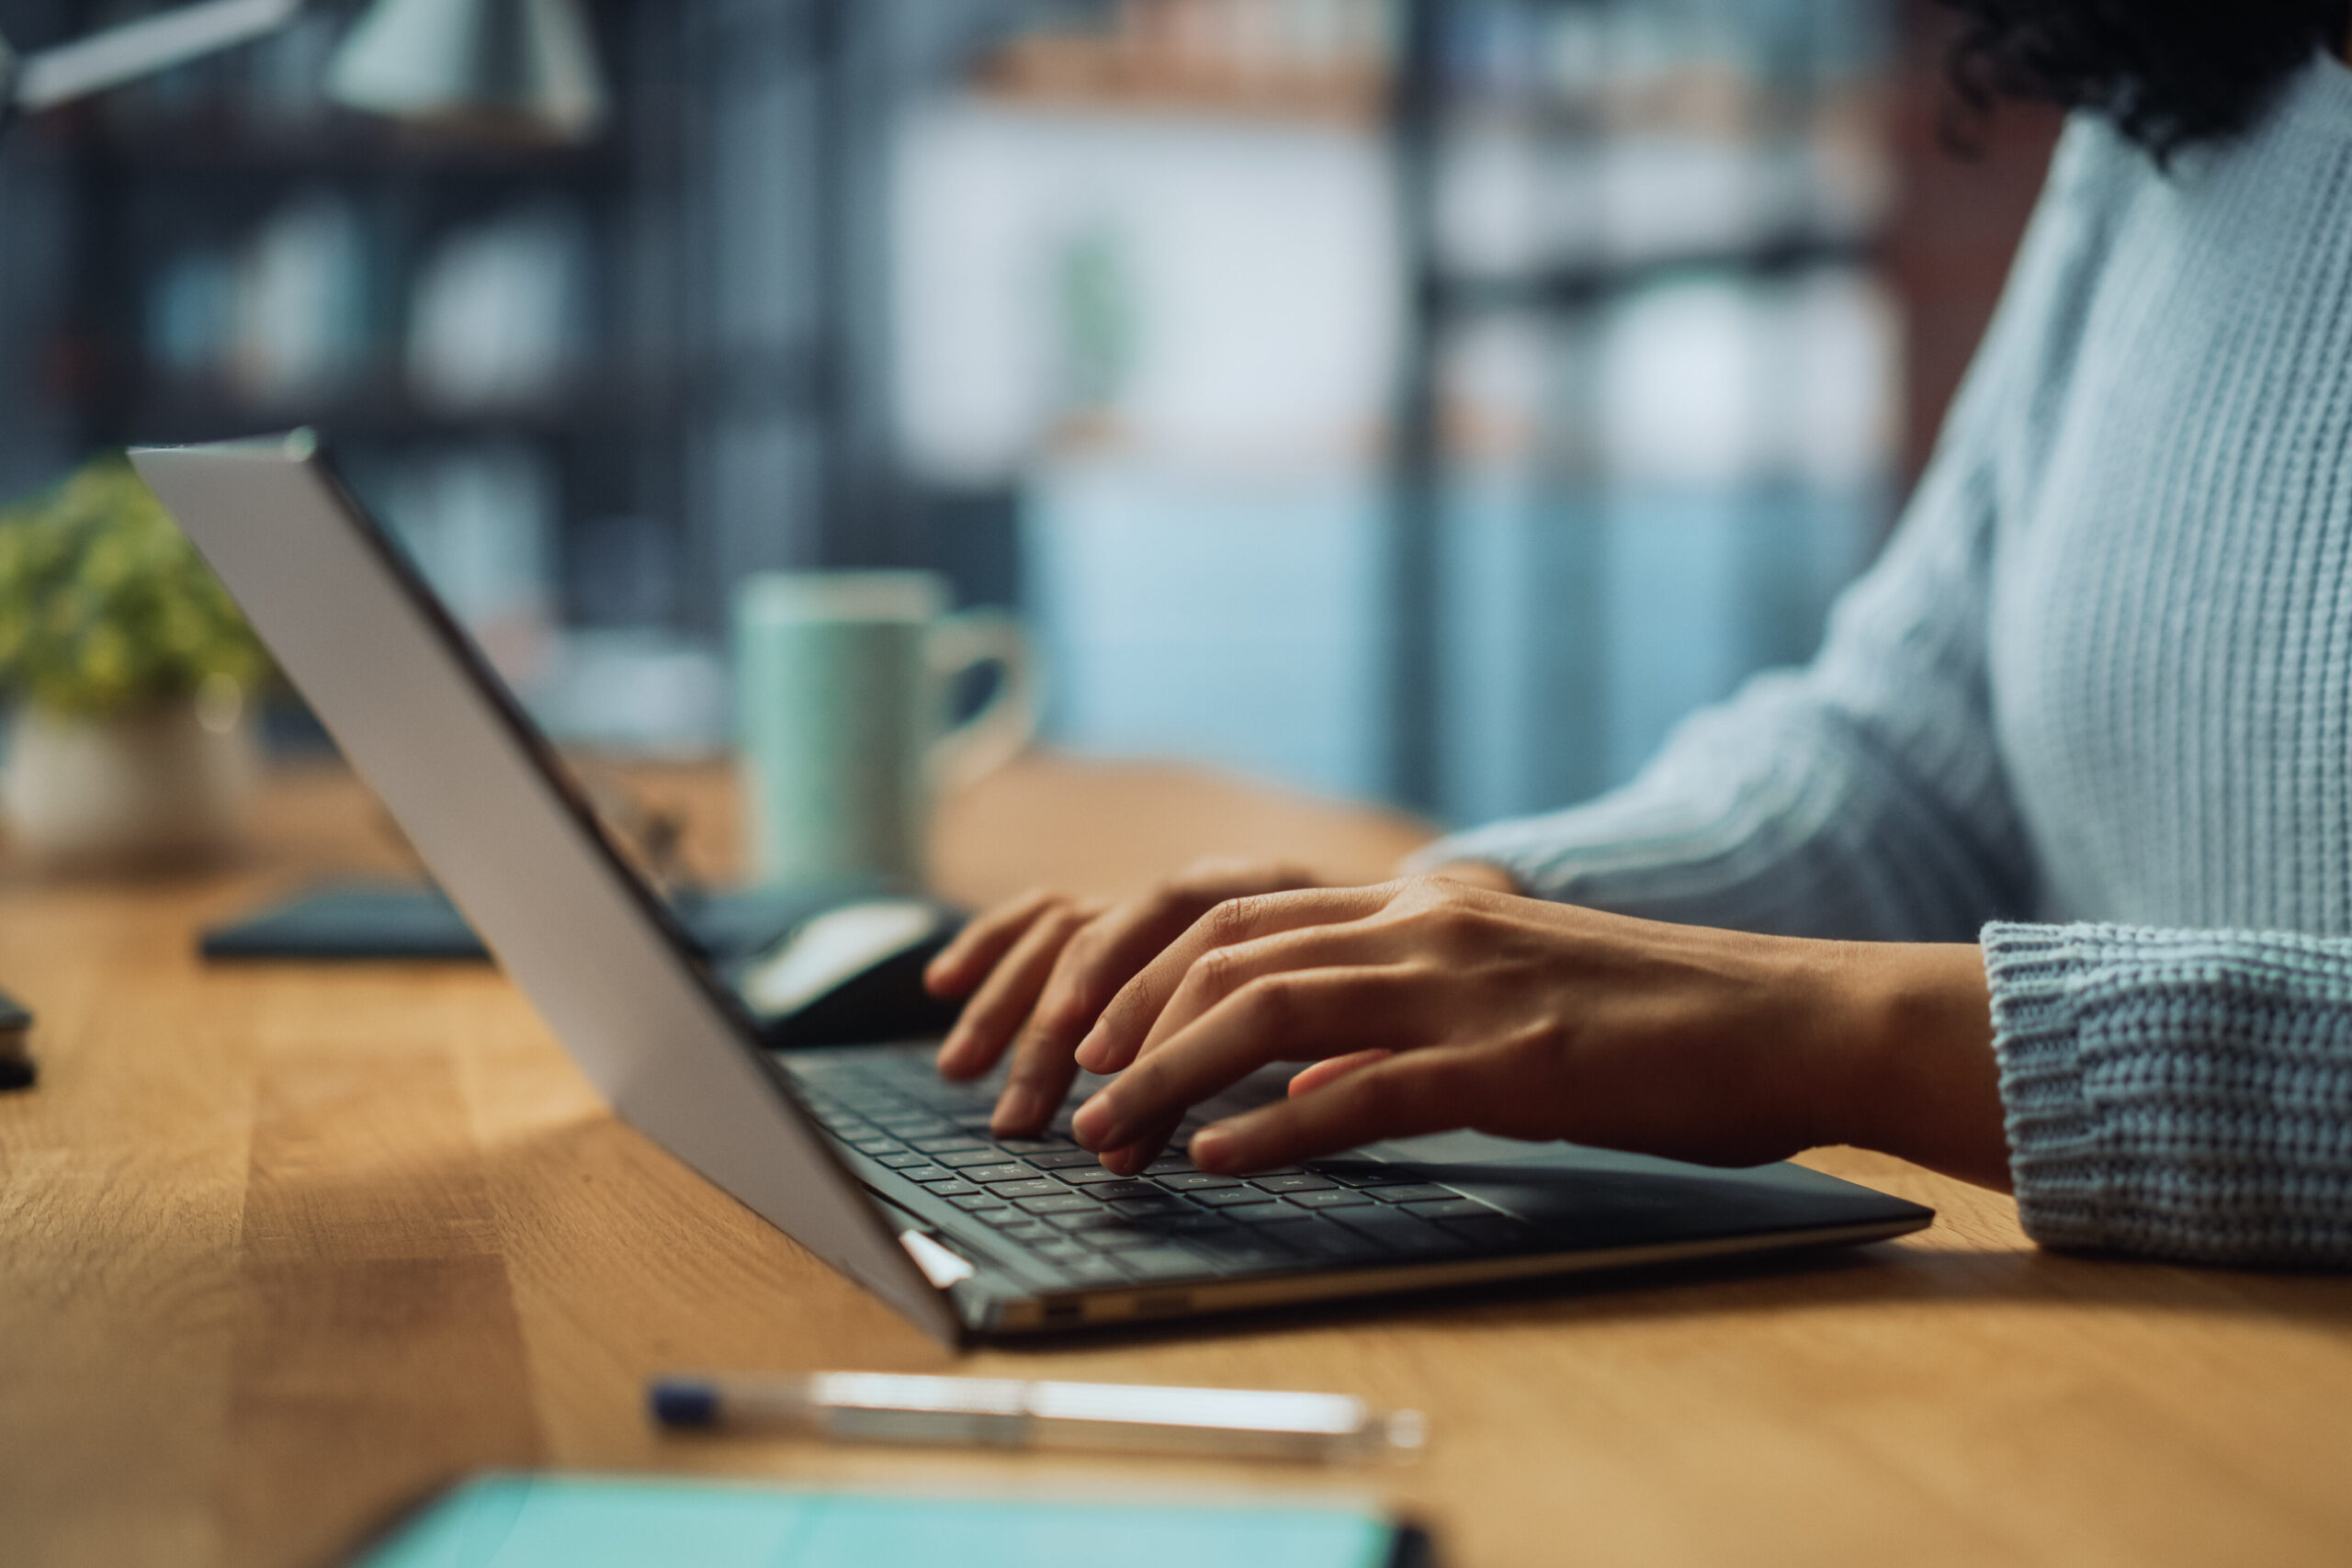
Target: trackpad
x,y
1602,1197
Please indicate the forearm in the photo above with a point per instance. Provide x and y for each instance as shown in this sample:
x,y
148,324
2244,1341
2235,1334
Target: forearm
x,y
1913,1071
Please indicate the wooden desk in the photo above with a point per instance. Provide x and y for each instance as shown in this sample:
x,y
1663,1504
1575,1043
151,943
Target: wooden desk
x,y
281,1248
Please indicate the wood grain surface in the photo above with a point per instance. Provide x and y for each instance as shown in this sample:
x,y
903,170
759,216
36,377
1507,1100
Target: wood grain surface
x,y
283,1247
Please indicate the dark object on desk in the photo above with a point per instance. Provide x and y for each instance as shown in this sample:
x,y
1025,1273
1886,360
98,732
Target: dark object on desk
x,y
873,994
378,921
17,1068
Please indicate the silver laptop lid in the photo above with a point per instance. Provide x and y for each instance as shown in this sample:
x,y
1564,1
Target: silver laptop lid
x,y
478,791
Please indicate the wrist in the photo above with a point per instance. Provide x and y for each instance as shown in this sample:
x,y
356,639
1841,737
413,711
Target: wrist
x,y
1919,1080
1476,873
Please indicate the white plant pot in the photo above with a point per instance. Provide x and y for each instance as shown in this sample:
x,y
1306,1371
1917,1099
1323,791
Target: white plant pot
x,y
160,783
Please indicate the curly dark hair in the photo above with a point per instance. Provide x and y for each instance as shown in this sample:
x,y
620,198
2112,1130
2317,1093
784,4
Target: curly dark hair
x,y
2168,73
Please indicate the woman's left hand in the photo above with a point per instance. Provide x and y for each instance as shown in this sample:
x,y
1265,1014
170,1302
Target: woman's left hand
x,y
1425,1005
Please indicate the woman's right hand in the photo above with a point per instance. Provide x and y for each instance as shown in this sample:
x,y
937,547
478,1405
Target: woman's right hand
x,y
1041,968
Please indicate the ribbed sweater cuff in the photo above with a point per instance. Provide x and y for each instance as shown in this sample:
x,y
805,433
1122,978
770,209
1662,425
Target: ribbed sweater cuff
x,y
2056,1158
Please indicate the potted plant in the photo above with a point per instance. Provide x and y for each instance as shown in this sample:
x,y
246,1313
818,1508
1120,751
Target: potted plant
x,y
129,675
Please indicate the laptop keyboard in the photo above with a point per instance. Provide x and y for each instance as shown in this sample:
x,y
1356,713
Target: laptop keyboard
x,y
1051,1199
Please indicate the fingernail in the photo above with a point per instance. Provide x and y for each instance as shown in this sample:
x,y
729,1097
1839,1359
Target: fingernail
x,y
1213,1150
1094,1124
950,1050
1019,1109
1093,1050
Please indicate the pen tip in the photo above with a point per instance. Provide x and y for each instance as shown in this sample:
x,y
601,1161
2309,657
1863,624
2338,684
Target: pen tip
x,y
675,1401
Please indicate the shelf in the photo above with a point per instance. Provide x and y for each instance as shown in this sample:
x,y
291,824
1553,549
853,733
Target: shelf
x,y
1104,75
218,147
1583,285
599,401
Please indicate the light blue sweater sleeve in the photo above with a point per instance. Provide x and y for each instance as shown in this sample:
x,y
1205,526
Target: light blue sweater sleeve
x,y
2179,1094
2185,1094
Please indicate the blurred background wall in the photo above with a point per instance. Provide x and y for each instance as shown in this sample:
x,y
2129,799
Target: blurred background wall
x,y
1422,399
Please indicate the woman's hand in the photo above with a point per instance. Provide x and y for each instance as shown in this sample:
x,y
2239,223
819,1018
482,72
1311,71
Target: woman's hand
x,y
1040,969
1426,1005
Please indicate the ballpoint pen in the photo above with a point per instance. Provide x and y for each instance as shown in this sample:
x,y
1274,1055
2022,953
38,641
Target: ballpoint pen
x,y
1014,1414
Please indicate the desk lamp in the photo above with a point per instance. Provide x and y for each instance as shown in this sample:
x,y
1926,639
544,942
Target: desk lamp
x,y
522,69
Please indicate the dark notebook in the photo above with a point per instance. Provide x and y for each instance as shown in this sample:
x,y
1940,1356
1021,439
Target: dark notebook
x,y
380,920
376,920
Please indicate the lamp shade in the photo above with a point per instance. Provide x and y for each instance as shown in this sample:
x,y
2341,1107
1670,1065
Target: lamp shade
x,y
523,68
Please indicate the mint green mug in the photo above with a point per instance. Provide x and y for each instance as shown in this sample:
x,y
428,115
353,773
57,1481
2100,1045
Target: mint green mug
x,y
843,682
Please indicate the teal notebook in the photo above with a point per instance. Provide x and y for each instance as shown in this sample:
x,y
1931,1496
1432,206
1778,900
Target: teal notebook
x,y
574,1521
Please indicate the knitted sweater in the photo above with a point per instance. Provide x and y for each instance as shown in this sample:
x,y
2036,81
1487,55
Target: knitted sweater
x,y
2097,693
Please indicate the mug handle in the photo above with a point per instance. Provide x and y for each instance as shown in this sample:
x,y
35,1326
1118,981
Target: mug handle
x,y
1007,721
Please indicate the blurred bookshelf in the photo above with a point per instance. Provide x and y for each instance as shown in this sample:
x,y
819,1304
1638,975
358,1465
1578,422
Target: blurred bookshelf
x,y
1628,418
1421,398
533,360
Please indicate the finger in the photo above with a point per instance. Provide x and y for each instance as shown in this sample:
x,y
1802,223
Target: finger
x,y
1038,1081
1044,1056
1307,1079
1127,1021
976,950
1434,1090
1353,944
1115,948
1292,1016
996,1011
1130,1159
1107,955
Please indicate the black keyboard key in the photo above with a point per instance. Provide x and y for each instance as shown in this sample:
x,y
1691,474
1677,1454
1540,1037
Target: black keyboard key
x,y
1232,1197
1122,1238
1159,1262
1034,1146
1417,1192
927,1173
1059,1204
983,1204
1448,1208
1149,1203
960,1189
1240,1249
1091,1271
1498,1231
1357,1171
1402,1236
952,1142
1196,1181
1111,1192
1087,1219
901,1162
986,1154
1333,1244
1190,1224
1086,1175
1056,1156
1337,1198
1062,1249
1167,1165
1007,1170
1030,1187
1302,1182
876,1148
1020,1227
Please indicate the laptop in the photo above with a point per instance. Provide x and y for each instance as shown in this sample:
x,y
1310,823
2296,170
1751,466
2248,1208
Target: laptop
x,y
860,1152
